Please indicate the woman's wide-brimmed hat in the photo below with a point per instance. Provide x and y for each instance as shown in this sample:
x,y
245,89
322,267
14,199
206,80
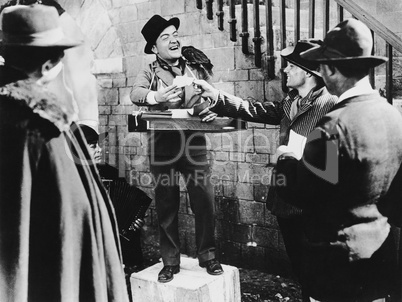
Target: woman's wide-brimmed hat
x,y
154,27
33,25
292,55
349,41
91,134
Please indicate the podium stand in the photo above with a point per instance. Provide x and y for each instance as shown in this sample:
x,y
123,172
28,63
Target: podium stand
x,y
180,120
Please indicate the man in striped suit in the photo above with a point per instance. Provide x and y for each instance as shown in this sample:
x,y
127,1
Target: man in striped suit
x,y
297,114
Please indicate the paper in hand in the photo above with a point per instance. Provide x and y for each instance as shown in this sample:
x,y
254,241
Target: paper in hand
x,y
296,143
182,81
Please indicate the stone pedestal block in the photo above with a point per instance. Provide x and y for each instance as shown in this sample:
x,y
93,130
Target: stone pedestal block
x,y
191,284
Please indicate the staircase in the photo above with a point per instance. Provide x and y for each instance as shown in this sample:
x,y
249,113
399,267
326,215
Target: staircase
x,y
277,24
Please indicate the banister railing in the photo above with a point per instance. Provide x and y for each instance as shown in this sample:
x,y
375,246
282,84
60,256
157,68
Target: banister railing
x,y
392,41
374,24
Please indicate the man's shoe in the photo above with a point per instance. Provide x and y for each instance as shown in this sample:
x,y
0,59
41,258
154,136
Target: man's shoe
x,y
213,267
166,274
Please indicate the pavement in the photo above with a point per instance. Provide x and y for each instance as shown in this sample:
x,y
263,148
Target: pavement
x,y
255,285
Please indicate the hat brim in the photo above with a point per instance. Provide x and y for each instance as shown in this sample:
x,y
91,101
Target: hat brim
x,y
287,54
63,43
318,54
174,21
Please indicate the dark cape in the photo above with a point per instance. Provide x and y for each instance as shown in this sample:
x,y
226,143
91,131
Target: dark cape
x,y
58,233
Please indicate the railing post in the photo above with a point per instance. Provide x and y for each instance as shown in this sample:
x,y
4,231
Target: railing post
x,y
244,27
232,21
297,21
372,70
388,70
269,39
199,4
340,13
325,26
208,4
257,33
220,14
311,19
282,22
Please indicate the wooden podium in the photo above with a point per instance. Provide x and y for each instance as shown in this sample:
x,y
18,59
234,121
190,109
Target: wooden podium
x,y
180,120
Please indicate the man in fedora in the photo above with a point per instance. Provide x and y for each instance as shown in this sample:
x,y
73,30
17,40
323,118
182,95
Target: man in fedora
x,y
58,232
297,114
76,86
347,182
176,152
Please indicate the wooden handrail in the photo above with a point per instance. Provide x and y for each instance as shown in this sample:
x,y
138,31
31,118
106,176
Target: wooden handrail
x,y
372,23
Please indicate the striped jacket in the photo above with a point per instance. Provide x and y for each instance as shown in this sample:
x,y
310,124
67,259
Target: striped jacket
x,y
312,108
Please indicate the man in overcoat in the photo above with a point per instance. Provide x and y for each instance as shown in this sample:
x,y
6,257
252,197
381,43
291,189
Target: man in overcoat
x,y
347,182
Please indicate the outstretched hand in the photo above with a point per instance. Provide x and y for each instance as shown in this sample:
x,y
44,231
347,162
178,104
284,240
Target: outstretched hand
x,y
207,115
169,94
206,89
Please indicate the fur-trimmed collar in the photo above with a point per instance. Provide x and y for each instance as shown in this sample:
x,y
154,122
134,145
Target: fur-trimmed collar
x,y
42,102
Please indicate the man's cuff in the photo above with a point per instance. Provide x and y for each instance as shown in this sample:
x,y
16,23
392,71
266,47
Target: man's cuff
x,y
151,98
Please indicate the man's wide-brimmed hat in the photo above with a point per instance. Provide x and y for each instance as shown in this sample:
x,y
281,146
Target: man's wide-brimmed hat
x,y
349,41
154,27
34,26
292,55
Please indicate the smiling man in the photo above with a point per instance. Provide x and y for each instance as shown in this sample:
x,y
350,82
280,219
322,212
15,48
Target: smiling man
x,y
297,114
176,152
